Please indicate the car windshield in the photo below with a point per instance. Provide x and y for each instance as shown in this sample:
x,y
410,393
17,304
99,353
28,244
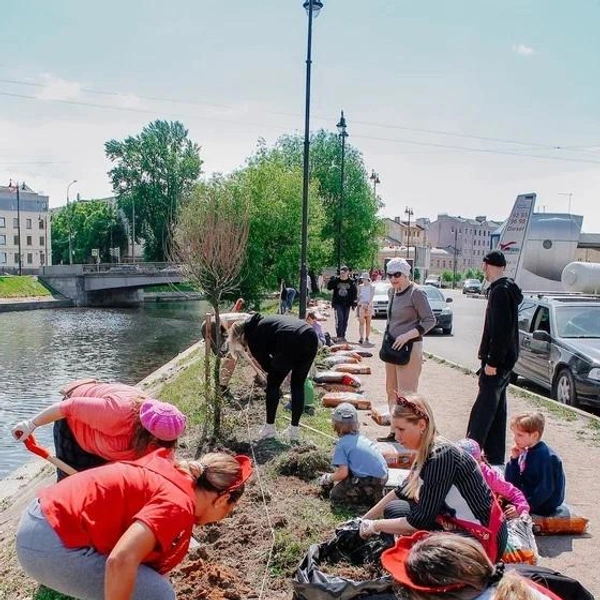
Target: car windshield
x,y
472,282
381,288
578,321
433,293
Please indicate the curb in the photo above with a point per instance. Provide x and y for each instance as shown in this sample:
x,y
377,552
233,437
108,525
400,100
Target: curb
x,y
518,391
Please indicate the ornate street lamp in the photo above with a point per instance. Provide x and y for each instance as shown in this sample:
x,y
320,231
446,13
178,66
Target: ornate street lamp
x,y
312,9
375,179
343,134
69,223
408,211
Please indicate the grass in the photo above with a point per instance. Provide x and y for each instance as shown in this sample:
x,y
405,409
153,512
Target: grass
x,y
25,286
43,593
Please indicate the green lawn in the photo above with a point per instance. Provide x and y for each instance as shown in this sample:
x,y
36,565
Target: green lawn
x,y
25,286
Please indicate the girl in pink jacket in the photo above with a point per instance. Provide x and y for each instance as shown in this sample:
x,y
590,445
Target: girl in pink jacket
x,y
511,498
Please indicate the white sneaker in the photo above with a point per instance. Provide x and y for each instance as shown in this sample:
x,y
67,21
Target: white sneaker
x,y
292,433
267,431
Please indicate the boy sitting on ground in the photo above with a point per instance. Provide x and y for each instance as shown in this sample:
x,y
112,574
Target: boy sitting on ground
x,y
361,471
534,467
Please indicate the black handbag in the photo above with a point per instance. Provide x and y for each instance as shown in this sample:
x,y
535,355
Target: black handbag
x,y
387,354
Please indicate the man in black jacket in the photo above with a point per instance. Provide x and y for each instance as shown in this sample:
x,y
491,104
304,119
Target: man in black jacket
x,y
498,352
344,298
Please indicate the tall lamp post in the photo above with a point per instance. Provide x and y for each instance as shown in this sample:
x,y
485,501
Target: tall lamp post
x,y
343,134
312,9
455,258
376,181
408,211
69,223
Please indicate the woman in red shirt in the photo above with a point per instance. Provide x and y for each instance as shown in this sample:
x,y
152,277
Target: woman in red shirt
x,y
104,422
113,531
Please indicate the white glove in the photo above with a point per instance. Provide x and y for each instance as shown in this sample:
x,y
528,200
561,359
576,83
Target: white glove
x,y
21,431
326,480
367,529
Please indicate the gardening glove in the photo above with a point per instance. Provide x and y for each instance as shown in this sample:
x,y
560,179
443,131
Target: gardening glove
x,y
326,480
367,529
22,430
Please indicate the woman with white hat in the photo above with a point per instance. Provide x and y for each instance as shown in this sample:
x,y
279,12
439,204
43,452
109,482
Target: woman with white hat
x,y
364,310
409,318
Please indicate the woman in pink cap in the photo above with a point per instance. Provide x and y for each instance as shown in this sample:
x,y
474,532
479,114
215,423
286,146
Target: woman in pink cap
x,y
105,422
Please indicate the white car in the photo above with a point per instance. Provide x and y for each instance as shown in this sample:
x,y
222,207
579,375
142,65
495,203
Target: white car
x,y
381,299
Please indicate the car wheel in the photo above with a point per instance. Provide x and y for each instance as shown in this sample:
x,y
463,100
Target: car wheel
x,y
447,330
564,388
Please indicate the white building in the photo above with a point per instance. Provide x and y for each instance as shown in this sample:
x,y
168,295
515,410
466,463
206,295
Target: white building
x,y
25,243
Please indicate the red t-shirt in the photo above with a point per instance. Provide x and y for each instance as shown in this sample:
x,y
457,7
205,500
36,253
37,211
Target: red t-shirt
x,y
95,507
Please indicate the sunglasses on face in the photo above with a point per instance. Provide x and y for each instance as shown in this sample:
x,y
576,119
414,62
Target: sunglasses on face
x,y
390,275
412,407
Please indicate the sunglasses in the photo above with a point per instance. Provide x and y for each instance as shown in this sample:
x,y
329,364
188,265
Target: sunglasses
x,y
390,275
412,407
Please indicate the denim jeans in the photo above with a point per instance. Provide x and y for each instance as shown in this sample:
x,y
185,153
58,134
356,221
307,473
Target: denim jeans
x,y
342,313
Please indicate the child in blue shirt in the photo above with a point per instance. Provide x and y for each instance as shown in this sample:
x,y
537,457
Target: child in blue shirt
x,y
534,467
361,471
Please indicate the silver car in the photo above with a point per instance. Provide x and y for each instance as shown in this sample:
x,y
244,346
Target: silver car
x,y
381,298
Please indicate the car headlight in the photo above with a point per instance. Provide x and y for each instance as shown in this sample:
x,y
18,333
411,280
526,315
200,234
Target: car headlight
x,y
446,311
594,374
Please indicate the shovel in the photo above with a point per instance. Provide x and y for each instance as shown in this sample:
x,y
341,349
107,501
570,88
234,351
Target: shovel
x,y
32,445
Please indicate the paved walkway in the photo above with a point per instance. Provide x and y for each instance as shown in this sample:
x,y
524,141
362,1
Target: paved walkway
x,y
576,438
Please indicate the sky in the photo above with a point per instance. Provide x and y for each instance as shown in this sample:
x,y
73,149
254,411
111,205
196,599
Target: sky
x,y
459,106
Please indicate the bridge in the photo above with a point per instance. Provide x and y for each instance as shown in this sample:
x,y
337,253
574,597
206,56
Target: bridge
x,y
110,284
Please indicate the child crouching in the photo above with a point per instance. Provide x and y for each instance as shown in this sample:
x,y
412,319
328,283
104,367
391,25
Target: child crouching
x,y
361,471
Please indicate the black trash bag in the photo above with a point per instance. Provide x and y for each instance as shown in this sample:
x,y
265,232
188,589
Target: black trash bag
x,y
310,583
563,586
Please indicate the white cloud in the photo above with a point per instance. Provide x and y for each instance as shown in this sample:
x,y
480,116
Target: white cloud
x,y
523,50
56,88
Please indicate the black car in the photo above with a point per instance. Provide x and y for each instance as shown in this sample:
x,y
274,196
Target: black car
x,y
559,346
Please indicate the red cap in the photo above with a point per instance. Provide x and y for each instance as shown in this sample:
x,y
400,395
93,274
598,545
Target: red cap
x,y
394,562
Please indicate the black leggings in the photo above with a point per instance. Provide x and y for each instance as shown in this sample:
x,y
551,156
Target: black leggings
x,y
298,361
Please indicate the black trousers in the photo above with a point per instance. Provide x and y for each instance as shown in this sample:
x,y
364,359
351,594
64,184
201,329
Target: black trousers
x,y
487,423
299,359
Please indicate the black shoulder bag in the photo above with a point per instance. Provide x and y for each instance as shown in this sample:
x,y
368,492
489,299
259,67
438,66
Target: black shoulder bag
x,y
387,354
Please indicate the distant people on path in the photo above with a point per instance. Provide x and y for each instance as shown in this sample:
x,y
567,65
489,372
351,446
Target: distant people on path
x,y
498,352
360,469
409,318
280,344
311,319
344,299
534,467
510,497
105,422
364,308
286,298
444,490
115,531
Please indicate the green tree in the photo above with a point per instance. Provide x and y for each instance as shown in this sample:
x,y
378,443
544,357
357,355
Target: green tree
x,y
153,171
93,224
361,228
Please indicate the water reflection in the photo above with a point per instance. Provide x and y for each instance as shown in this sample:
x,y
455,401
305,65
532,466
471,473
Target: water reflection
x,y
41,350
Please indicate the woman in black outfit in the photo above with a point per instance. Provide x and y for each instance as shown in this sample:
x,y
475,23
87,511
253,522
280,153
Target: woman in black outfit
x,y
279,344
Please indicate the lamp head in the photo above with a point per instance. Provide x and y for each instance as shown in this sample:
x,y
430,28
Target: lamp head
x,y
317,5
341,126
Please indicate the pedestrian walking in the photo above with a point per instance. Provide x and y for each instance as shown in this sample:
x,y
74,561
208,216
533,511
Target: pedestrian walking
x,y
280,345
364,308
409,318
498,352
344,299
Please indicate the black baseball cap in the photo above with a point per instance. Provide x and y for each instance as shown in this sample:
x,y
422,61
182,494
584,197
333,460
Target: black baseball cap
x,y
495,258
344,268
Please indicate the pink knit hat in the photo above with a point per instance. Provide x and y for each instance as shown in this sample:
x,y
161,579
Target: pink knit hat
x,y
470,447
162,420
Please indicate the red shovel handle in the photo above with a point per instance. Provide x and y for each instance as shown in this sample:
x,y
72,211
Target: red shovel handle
x,y
32,445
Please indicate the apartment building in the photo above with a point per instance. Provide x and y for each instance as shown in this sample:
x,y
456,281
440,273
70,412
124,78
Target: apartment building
x,y
403,233
25,243
467,239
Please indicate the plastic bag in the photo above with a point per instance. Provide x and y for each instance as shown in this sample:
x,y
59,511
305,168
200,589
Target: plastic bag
x,y
521,546
332,399
310,583
331,361
564,521
352,368
337,377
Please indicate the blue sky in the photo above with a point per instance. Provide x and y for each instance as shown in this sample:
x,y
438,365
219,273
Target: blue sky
x,y
407,74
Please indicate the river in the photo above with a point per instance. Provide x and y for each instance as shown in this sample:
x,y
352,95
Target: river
x,y
41,350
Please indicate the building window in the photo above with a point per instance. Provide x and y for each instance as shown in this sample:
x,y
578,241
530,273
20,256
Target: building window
x,y
29,258
28,224
42,258
2,240
2,222
16,240
2,258
443,264
15,223
16,257
29,242
41,223
42,240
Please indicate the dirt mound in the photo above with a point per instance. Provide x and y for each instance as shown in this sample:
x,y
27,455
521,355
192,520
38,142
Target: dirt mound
x,y
202,580
305,462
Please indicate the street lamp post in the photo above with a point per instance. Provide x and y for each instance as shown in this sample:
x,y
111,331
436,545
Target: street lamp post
x,y
455,257
69,223
343,134
312,9
375,179
408,211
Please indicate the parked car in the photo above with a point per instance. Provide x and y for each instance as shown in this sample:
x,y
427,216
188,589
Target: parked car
x,y
471,286
559,346
440,308
433,280
380,299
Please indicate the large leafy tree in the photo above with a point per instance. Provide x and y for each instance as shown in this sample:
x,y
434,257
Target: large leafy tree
x,y
93,224
153,171
361,228
274,190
